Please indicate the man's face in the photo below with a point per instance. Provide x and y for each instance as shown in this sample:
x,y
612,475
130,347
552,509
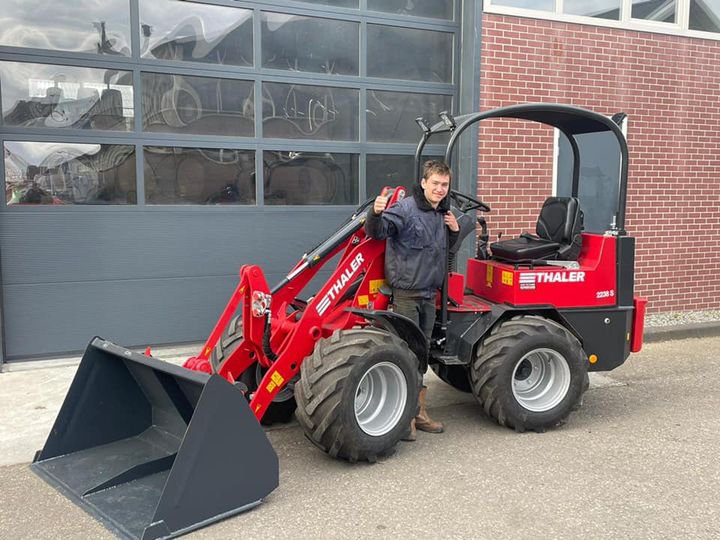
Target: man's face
x,y
435,188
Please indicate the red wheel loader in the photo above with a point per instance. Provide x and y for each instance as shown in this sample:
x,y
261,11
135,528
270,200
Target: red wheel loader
x,y
143,444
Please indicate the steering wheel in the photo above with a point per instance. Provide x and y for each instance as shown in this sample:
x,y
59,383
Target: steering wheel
x,y
465,203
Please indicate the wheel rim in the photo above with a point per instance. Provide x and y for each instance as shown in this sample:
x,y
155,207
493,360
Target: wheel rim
x,y
380,399
541,380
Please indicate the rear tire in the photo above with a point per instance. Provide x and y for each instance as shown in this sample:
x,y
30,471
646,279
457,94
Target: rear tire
x,y
283,406
357,394
456,376
529,374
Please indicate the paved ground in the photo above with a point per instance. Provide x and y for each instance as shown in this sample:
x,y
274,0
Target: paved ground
x,y
638,460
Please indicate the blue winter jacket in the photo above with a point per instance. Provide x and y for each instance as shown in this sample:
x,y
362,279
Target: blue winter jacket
x,y
415,255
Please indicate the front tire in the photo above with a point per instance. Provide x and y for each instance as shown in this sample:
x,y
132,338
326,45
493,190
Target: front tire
x,y
357,393
529,374
283,405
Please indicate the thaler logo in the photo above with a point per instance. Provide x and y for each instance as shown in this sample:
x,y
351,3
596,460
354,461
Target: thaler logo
x,y
339,284
561,277
528,280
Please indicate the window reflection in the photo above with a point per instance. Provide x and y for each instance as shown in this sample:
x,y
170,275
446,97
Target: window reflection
x,y
185,104
408,53
336,3
309,112
705,15
540,5
174,30
64,173
296,178
438,9
199,175
386,170
652,10
391,115
85,26
44,95
604,9
296,43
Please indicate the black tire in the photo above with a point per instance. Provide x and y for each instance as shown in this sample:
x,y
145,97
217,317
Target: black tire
x,y
283,406
330,386
529,374
456,376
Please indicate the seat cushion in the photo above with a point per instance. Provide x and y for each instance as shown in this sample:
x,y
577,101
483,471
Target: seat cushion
x,y
523,248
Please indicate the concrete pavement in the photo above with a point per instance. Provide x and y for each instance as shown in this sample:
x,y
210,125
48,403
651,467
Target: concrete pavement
x,y
637,461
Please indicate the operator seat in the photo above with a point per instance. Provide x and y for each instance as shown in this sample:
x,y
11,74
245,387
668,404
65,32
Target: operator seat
x,y
558,237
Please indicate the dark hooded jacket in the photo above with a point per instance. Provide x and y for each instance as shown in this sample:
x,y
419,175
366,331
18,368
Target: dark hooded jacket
x,y
415,255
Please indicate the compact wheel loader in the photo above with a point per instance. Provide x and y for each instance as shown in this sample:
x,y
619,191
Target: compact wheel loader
x,y
144,445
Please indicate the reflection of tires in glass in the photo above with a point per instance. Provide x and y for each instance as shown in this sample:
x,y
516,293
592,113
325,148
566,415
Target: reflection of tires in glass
x,y
529,374
305,180
283,406
357,393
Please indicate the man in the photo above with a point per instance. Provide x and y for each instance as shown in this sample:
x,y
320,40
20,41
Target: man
x,y
417,230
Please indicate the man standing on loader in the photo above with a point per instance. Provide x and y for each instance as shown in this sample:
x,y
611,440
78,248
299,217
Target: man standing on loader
x,y
416,229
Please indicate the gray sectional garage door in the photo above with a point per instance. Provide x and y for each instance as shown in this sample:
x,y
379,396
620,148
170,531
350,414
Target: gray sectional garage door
x,y
151,147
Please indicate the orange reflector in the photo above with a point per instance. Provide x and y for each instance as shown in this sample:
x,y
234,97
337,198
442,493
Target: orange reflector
x,y
593,358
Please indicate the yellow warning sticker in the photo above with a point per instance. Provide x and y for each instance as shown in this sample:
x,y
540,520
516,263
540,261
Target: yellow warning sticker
x,y
277,378
208,350
489,275
270,387
507,278
375,285
363,300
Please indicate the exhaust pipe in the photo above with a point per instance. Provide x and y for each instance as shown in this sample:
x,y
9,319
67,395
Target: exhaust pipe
x,y
154,450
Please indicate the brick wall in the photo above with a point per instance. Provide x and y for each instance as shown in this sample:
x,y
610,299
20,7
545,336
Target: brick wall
x,y
670,88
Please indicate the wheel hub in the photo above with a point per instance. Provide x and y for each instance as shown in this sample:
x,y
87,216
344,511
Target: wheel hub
x,y
541,380
380,399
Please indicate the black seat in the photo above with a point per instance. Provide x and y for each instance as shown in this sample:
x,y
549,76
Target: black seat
x,y
558,237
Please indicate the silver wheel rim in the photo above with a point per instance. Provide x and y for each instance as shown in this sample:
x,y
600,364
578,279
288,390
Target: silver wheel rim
x,y
541,380
380,399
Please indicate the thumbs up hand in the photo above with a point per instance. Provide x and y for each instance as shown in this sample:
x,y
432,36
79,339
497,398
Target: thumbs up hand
x,y
381,202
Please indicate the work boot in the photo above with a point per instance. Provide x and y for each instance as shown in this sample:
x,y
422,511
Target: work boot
x,y
423,422
411,434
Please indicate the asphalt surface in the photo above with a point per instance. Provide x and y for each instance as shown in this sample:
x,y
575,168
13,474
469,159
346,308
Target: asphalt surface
x,y
638,460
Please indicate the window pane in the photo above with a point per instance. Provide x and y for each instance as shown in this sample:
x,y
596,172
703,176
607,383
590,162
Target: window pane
x,y
438,9
538,5
80,26
204,105
336,3
391,115
199,175
64,173
705,15
652,10
43,95
293,111
297,43
293,178
173,30
404,53
382,170
600,9
385,170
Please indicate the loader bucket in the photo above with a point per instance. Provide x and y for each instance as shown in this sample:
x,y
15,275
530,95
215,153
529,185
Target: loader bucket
x,y
154,450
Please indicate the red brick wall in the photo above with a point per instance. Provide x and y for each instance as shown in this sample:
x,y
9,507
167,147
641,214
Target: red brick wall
x,y
670,88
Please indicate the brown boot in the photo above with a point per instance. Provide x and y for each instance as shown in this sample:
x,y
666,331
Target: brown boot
x,y
411,435
423,422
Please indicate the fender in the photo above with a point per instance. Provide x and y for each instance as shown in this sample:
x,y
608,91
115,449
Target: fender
x,y
401,326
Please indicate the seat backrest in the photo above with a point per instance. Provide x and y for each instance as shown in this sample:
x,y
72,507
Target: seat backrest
x,y
561,221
